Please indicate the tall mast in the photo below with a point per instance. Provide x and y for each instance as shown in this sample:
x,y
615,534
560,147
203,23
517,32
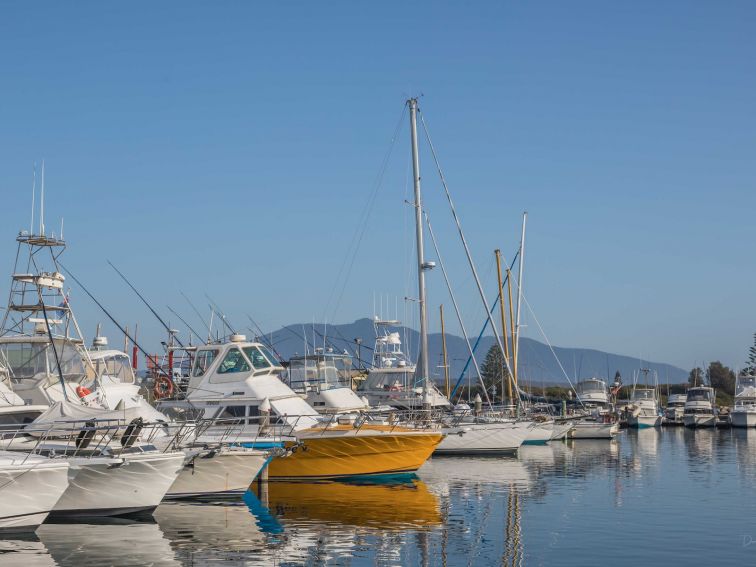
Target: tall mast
x,y
443,351
421,266
503,313
519,295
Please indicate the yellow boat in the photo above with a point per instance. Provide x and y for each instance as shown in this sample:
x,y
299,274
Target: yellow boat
x,y
344,451
237,385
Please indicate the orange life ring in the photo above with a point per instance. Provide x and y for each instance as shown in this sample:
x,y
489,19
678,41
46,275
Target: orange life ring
x,y
163,387
82,391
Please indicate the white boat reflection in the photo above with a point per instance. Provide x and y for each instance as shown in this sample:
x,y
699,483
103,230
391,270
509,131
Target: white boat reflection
x,y
116,542
24,550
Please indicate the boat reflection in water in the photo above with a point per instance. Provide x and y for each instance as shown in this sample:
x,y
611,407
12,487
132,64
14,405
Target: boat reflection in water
x,y
383,505
108,541
24,550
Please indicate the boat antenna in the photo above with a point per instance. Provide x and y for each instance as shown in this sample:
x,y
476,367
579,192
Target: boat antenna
x,y
106,312
140,296
42,203
34,190
221,314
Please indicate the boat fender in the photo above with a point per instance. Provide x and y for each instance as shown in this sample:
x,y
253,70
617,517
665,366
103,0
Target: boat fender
x,y
132,432
82,391
84,438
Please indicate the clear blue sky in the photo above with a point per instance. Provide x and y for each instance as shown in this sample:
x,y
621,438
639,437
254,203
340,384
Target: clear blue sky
x,y
230,148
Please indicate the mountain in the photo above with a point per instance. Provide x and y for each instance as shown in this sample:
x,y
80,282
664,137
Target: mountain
x,y
537,364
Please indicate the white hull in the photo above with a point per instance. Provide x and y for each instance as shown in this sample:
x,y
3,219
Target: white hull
x,y
229,471
644,421
483,438
743,418
29,490
699,420
540,433
133,483
561,430
594,430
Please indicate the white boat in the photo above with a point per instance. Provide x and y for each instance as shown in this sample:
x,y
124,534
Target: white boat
x,y
594,429
137,480
673,413
227,470
743,413
324,380
592,393
541,432
562,429
699,408
393,380
644,410
30,487
484,437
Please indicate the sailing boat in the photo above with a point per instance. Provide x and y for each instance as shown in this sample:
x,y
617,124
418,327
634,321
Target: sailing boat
x,y
466,433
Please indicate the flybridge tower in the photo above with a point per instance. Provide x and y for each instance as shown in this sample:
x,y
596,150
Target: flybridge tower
x,y
37,302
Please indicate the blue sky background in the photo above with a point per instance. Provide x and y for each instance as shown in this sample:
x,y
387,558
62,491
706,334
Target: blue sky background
x,y
230,148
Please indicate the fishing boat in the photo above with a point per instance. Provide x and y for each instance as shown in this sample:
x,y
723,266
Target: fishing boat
x,y
699,407
42,348
644,409
324,380
599,423
393,379
238,381
743,413
675,409
30,487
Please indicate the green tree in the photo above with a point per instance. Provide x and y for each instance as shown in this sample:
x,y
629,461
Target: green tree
x,y
696,377
721,377
494,371
751,362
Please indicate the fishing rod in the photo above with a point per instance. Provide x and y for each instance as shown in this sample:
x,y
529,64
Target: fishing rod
x,y
183,321
268,343
158,317
196,311
107,313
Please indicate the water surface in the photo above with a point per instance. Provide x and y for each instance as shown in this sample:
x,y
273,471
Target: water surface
x,y
649,497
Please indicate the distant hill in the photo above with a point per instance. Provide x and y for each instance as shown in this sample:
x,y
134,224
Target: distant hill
x,y
537,363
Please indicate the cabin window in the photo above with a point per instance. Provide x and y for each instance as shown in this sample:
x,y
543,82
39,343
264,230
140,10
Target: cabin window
x,y
234,361
205,359
256,356
232,414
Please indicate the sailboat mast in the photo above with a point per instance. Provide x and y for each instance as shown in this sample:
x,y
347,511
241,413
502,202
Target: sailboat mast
x,y
423,361
516,348
443,352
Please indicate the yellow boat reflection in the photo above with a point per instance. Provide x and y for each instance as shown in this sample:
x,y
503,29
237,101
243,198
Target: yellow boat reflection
x,y
384,506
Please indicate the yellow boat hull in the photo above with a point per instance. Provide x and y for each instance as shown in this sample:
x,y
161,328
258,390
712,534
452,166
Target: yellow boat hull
x,y
342,452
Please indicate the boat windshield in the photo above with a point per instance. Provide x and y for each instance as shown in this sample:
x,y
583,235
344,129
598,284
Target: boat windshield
x,y
115,366
330,370
591,386
643,395
746,387
32,360
386,381
699,395
259,357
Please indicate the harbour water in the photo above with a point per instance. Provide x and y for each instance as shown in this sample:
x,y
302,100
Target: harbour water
x,y
669,496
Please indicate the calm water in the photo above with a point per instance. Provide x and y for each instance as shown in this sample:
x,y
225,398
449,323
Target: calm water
x,y
651,496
